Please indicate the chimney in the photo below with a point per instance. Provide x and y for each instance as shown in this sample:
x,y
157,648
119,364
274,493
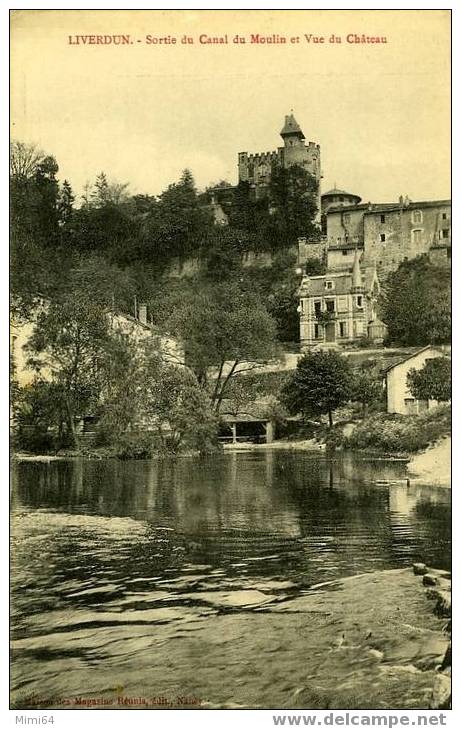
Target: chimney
x,y
143,313
401,201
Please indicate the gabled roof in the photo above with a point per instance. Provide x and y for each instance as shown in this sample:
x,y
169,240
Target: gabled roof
x,y
410,356
291,126
315,285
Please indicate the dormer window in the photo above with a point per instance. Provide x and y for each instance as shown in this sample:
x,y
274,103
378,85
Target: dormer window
x,y
329,285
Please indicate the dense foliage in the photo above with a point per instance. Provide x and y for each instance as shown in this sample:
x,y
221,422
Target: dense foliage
x,y
320,384
416,303
433,381
400,433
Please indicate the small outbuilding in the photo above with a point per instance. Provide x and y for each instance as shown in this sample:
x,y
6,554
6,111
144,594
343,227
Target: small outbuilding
x,y
399,398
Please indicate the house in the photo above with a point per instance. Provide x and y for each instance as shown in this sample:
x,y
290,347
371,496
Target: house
x,y
399,398
137,328
339,307
389,233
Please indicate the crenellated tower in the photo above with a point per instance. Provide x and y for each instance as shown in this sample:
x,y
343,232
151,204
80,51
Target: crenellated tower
x,y
256,169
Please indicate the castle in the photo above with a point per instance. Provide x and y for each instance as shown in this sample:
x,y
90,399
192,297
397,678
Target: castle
x,y
256,169
360,243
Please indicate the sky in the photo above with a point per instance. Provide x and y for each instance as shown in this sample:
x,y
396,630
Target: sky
x,y
143,112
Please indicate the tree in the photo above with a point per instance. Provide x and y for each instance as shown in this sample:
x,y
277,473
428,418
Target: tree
x,y
69,340
366,387
107,230
222,250
225,328
41,416
107,193
122,393
99,196
66,201
293,205
180,407
320,384
176,224
102,282
416,303
35,259
433,381
24,159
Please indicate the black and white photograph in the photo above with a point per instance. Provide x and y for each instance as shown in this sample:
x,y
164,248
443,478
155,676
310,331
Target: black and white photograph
x,y
230,362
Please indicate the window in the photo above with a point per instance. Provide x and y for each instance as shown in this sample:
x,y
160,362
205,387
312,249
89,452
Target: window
x,y
383,218
345,253
360,301
382,237
331,305
343,328
417,236
347,218
445,233
341,199
328,284
317,307
444,216
417,216
342,303
316,331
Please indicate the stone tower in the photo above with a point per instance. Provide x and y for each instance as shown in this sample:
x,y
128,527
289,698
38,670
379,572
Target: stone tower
x,y
256,168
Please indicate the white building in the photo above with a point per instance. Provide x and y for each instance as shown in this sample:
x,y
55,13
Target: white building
x,y
136,328
399,398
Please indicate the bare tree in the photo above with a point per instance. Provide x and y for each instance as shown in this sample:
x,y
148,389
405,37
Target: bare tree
x,y
24,159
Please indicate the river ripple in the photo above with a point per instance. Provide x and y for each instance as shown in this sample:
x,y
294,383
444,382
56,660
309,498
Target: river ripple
x,y
110,559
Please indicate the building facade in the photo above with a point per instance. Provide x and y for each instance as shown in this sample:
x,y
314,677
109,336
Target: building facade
x,y
389,233
339,308
256,168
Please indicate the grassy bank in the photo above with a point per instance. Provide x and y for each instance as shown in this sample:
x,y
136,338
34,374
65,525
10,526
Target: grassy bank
x,y
399,433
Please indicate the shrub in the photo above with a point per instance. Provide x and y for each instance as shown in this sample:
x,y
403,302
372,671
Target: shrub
x,y
137,446
401,433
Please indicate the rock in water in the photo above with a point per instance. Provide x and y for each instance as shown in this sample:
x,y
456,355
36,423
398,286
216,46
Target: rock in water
x,y
443,605
430,580
419,568
441,693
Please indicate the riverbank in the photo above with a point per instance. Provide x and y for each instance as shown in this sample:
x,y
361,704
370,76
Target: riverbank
x,y
433,465
371,641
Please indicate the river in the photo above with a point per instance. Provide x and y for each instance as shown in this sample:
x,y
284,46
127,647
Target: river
x,y
117,565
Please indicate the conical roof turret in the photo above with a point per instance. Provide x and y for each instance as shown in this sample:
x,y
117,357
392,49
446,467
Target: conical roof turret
x,y
291,128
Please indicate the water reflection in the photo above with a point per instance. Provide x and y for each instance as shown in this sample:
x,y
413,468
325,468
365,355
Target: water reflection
x,y
290,511
104,547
